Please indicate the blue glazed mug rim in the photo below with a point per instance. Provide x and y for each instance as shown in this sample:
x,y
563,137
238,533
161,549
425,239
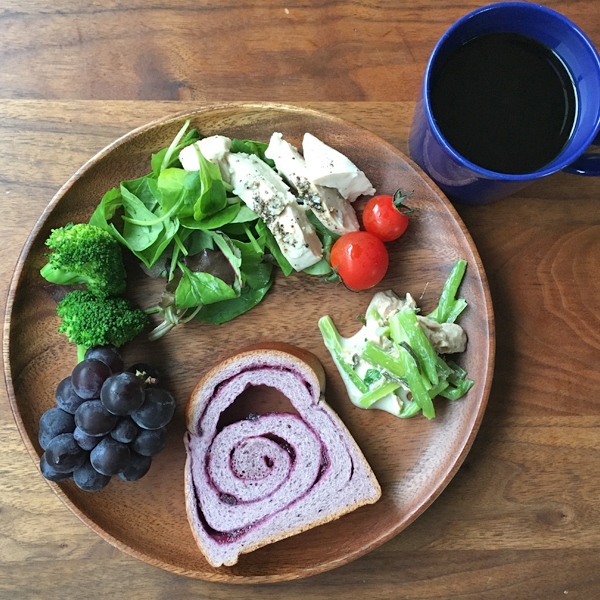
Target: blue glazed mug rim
x,y
553,167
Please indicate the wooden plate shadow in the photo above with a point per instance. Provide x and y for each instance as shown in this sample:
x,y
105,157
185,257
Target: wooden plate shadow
x,y
414,460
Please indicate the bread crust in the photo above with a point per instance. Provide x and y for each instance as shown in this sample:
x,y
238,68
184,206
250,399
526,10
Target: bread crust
x,y
303,360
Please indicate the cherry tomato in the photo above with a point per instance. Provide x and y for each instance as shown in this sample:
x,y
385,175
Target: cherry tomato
x,y
386,216
361,259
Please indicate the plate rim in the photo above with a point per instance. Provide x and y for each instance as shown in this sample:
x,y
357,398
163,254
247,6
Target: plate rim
x,y
228,577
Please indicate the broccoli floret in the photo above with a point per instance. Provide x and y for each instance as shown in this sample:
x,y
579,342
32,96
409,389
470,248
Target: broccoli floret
x,y
85,254
91,321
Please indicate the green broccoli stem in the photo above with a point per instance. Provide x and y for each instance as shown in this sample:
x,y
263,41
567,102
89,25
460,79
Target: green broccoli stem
x,y
60,276
81,350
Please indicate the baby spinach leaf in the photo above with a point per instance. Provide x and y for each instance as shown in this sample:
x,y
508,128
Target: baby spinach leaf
x,y
199,240
139,237
252,147
232,253
223,217
213,196
151,254
245,215
197,289
171,188
320,228
273,247
105,211
226,310
145,188
257,276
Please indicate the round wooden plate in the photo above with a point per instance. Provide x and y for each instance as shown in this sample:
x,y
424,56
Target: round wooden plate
x,y
413,460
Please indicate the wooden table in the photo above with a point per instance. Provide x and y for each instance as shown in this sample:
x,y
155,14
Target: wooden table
x,y
521,519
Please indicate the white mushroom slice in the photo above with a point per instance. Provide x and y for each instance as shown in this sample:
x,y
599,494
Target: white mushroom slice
x,y
214,148
446,338
327,204
330,168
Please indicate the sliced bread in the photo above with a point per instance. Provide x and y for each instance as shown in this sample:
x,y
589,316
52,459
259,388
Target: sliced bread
x,y
268,476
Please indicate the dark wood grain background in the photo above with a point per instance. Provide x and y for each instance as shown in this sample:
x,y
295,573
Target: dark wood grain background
x,y
522,517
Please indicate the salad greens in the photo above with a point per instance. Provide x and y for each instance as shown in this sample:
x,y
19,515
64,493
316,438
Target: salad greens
x,y
391,363
170,216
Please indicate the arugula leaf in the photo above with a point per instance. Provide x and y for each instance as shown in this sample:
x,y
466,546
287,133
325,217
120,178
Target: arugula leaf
x,y
226,310
273,247
198,289
252,147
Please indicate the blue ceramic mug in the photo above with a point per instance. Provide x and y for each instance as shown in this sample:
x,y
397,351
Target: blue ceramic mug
x,y
469,183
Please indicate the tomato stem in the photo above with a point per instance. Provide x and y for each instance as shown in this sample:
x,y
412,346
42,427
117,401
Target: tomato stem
x,y
399,197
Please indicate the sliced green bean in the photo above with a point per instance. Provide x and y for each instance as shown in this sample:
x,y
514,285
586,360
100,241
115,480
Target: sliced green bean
x,y
457,308
448,297
378,393
409,409
378,357
454,393
406,321
438,389
415,383
332,341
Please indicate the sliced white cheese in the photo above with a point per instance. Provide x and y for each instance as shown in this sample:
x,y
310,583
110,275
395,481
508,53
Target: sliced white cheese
x,y
330,168
258,186
214,148
327,204
296,237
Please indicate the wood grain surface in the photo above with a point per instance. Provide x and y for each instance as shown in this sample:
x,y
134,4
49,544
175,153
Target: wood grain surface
x,y
521,519
413,460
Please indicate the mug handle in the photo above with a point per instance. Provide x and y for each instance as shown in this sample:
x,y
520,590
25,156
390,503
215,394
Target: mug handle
x,y
587,164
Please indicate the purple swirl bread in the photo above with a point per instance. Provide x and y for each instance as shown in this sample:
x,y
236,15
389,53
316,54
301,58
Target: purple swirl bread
x,y
269,476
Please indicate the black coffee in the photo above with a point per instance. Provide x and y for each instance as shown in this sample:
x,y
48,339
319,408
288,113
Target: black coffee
x,y
505,102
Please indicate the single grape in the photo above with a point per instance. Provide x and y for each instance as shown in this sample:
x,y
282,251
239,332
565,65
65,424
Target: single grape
x,y
85,441
138,466
125,431
122,394
63,454
147,373
157,410
88,479
92,418
50,472
150,441
88,376
108,355
110,457
54,422
66,398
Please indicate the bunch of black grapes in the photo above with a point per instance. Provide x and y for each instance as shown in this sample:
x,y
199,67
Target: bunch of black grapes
x,y
107,422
